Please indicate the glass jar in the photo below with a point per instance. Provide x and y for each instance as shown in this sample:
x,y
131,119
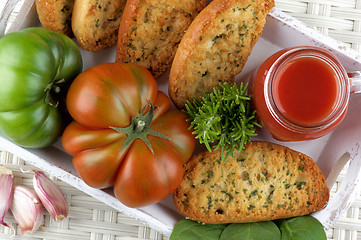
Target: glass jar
x,y
301,93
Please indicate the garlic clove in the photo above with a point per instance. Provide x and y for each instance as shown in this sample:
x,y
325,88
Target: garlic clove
x,y
27,209
6,192
51,196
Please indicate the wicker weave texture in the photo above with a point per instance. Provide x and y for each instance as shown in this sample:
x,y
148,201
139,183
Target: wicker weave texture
x,y
348,226
88,219
339,19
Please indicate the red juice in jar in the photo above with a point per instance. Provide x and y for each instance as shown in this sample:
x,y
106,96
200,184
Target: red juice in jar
x,y
306,90
300,93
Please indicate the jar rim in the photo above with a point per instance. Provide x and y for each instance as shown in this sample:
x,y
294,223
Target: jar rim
x,y
343,88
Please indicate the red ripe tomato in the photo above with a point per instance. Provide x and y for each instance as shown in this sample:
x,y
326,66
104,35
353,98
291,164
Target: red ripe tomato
x,y
124,134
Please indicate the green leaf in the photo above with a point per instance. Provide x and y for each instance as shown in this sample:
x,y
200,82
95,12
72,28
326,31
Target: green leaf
x,y
251,231
302,228
190,230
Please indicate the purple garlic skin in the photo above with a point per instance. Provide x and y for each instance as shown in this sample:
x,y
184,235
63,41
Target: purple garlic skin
x,y
27,209
6,193
51,196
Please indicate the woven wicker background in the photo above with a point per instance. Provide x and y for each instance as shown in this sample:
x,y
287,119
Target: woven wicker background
x,y
339,19
90,219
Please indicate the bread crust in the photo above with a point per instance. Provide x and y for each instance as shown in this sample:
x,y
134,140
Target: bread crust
x,y
151,30
95,23
216,46
55,15
267,182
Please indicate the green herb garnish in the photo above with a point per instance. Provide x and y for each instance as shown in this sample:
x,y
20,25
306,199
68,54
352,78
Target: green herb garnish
x,y
223,118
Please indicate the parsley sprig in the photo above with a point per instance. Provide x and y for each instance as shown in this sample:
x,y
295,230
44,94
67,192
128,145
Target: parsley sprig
x,y
223,118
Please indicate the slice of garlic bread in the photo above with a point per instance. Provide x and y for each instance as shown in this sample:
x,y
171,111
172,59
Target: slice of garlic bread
x,y
151,30
95,23
55,15
216,46
267,182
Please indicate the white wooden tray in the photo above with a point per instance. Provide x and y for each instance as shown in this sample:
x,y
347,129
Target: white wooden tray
x,y
331,152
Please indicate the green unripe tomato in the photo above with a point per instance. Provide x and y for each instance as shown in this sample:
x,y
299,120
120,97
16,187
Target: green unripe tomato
x,y
37,67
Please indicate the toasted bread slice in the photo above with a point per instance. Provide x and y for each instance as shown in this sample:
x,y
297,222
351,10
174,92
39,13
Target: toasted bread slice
x,y
56,15
216,46
95,23
267,182
151,30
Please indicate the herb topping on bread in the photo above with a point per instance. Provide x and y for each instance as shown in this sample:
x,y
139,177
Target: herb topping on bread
x,y
216,46
151,30
55,15
95,23
267,182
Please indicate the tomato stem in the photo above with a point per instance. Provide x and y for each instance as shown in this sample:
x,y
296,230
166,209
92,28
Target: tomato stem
x,y
139,128
51,89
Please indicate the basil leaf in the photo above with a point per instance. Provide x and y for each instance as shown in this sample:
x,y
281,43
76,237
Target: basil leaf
x,y
302,228
190,230
251,231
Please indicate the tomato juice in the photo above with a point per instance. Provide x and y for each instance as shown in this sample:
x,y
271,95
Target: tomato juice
x,y
300,93
306,90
